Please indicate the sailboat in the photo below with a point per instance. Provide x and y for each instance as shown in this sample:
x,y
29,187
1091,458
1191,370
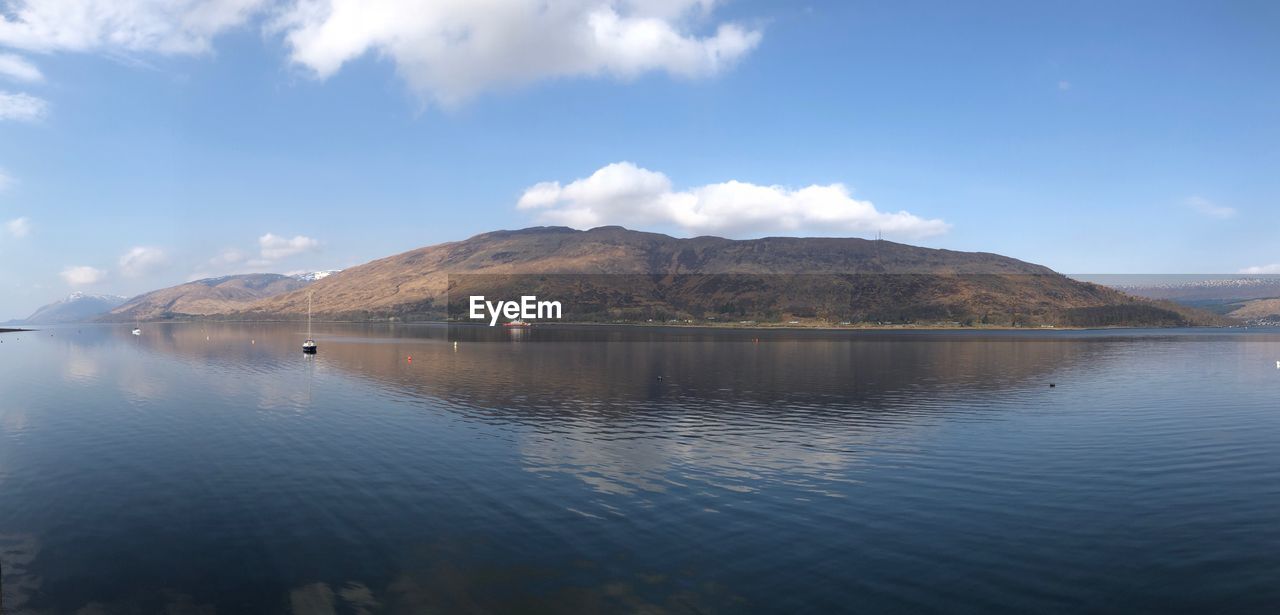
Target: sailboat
x,y
309,346
137,327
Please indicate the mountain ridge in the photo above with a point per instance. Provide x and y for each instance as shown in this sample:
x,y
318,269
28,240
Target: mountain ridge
x,y
859,279
1253,299
203,297
77,307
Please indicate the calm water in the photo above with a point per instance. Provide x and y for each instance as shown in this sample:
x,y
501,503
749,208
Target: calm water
x,y
203,468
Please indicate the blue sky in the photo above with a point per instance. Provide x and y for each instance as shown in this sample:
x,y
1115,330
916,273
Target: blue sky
x,y
146,143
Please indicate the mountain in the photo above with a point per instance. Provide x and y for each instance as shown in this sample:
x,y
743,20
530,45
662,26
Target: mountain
x,y
204,297
1220,294
1259,311
312,276
1254,299
611,273
77,307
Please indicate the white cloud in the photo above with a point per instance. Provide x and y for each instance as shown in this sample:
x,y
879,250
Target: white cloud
x,y
274,247
449,50
230,256
1209,208
82,275
18,227
624,194
18,68
141,260
121,26
1262,269
21,107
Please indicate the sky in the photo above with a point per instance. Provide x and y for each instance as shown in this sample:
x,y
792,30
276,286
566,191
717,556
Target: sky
x,y
145,143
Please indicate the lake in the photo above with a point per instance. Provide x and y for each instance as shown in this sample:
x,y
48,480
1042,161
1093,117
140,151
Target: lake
x,y
215,468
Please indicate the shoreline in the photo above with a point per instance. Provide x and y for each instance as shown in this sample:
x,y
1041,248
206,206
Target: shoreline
x,y
725,326
801,327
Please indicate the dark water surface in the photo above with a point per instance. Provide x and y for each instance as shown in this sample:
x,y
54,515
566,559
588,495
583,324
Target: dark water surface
x,y
203,468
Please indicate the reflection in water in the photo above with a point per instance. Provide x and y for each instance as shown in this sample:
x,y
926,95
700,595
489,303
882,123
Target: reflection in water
x,y
610,412
320,599
454,579
214,467
81,368
17,581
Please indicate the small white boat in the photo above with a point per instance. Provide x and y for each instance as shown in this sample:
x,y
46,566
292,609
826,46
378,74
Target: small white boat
x,y
137,328
309,346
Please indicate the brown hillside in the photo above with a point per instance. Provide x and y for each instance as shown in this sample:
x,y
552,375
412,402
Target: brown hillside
x,y
836,279
1260,309
204,297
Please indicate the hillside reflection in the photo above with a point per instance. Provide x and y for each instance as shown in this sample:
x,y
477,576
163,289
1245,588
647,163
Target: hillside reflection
x,y
526,375
618,408
588,469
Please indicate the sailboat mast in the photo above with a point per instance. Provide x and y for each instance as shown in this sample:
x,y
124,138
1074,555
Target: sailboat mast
x,y
308,315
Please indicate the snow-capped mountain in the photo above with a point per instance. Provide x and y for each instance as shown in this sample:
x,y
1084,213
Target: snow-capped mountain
x,y
312,276
1208,290
77,307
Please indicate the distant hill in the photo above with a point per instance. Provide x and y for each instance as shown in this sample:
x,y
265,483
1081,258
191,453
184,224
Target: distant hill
x,y
1208,292
618,274
1258,311
204,297
312,276
1247,298
77,307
